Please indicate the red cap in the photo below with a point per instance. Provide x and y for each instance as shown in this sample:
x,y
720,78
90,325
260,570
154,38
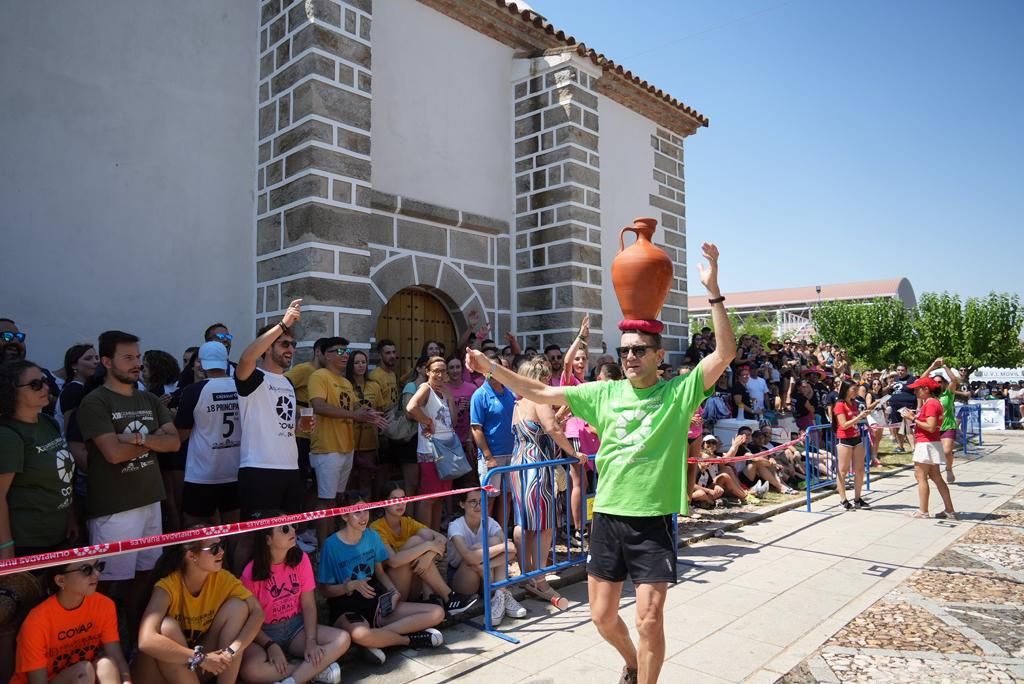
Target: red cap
x,y
926,382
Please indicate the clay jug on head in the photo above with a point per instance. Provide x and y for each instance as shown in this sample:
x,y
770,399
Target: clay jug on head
x,y
641,273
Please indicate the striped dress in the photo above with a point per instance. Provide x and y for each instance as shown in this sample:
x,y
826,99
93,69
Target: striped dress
x,y
534,489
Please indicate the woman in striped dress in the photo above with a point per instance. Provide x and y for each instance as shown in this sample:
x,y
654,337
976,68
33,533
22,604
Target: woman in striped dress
x,y
537,437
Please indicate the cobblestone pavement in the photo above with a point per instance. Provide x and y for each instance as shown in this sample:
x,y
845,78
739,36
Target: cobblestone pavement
x,y
958,619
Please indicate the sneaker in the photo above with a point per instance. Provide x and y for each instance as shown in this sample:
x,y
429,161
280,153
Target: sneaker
x,y
330,675
287,680
950,477
900,450
861,503
846,504
428,638
628,676
946,515
374,655
512,607
498,607
919,514
758,489
576,539
789,490
459,603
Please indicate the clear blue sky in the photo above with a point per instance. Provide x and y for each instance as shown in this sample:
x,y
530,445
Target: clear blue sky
x,y
848,140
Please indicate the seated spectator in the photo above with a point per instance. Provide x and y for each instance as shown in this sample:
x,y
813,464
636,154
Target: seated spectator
x,y
72,636
36,468
754,472
362,598
280,576
466,557
761,440
415,549
195,602
710,476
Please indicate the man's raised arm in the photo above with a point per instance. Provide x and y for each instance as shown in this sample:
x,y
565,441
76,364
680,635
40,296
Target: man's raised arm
x,y
715,363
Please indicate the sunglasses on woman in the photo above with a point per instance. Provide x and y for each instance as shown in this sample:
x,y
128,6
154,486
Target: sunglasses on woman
x,y
88,570
214,549
35,384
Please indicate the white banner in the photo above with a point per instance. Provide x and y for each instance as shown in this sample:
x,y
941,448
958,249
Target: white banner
x,y
992,413
998,375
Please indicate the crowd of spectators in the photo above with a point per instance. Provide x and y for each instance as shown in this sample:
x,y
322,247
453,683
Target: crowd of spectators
x,y
118,444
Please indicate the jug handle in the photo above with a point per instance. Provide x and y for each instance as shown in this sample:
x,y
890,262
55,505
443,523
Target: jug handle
x,y
622,234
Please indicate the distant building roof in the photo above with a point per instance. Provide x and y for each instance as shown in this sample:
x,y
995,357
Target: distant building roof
x,y
900,288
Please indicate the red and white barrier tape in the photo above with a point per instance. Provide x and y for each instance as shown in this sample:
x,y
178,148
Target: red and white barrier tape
x,y
45,560
748,456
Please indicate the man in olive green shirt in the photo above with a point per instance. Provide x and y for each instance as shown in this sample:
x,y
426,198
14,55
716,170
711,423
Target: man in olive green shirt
x,y
642,423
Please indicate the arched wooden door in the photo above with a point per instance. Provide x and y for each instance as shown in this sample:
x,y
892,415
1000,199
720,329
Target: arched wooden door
x,y
410,318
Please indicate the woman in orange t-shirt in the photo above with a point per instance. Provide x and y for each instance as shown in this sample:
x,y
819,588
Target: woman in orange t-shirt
x,y
72,636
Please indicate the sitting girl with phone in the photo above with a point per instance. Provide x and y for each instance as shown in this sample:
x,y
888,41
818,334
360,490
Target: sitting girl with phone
x,y
280,576
362,598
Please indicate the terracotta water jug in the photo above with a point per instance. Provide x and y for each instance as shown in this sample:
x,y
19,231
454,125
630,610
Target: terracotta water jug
x,y
641,273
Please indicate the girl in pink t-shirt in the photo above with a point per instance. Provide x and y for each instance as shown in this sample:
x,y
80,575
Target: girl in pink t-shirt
x,y
281,578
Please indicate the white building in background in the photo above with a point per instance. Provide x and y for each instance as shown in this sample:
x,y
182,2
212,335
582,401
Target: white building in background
x,y
396,164
791,308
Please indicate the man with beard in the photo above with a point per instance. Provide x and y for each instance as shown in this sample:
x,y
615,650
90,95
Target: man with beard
x,y
124,428
268,476
12,348
554,354
902,398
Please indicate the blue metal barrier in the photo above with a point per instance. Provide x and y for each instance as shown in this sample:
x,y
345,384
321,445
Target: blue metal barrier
x,y
821,450
969,426
570,558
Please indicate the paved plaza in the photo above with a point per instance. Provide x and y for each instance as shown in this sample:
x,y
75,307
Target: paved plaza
x,y
802,597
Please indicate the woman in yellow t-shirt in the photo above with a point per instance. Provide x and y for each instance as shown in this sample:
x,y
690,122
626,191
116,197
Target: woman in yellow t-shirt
x,y
199,618
369,395
415,549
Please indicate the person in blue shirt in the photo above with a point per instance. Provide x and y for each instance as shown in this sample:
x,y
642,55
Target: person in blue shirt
x,y
363,600
490,421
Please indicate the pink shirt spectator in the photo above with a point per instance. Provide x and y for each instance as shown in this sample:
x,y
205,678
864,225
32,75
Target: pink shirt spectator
x,y
279,595
462,395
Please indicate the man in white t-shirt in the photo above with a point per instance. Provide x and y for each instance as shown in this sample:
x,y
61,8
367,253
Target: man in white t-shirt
x,y
268,476
208,418
757,388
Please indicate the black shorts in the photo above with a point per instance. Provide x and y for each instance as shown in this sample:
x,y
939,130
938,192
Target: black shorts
x,y
894,413
356,607
640,547
202,500
850,441
263,489
302,444
741,475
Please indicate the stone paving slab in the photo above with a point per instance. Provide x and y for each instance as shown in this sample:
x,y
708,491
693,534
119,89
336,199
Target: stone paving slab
x,y
960,618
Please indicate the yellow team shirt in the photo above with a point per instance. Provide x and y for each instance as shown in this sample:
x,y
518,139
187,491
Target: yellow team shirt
x,y
332,434
194,614
299,377
388,385
410,526
369,396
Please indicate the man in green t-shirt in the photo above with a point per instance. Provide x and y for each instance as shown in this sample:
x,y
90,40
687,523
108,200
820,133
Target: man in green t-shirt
x,y
124,429
642,422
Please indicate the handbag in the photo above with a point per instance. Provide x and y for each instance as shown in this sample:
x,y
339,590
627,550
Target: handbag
x,y
449,458
400,427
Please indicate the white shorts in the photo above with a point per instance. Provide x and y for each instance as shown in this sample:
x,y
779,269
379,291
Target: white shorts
x,y
929,452
481,469
332,470
132,524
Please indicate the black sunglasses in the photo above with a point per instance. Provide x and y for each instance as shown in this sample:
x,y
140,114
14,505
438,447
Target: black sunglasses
x,y
12,336
287,343
214,548
87,570
36,384
223,337
638,350
340,351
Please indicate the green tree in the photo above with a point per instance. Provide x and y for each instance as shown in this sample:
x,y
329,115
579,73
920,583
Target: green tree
x,y
761,326
876,334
